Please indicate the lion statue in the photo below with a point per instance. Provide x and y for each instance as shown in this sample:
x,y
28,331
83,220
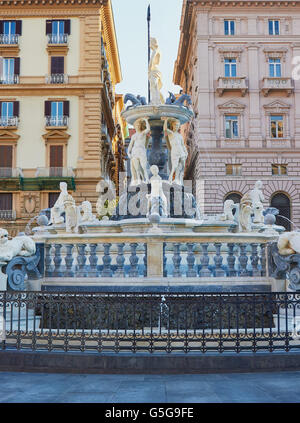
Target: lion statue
x,y
21,245
289,243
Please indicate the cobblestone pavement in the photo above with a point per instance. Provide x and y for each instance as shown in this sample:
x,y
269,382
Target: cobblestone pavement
x,y
196,388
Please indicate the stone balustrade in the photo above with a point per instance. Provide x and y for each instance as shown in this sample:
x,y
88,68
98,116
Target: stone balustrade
x,y
239,84
277,84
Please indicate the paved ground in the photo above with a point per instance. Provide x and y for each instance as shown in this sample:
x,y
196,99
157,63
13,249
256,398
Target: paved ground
x,y
72,388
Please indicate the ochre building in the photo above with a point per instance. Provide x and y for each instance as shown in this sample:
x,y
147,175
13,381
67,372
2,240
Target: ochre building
x,y
59,113
236,61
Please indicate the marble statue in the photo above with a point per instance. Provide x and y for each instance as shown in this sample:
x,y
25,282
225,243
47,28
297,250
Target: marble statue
x,y
156,199
107,200
137,152
251,203
228,208
154,75
87,216
178,151
72,214
289,243
21,245
58,209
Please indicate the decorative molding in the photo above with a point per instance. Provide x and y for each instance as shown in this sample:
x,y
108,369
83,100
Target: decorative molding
x,y
277,107
60,49
56,136
231,106
7,50
231,53
275,53
9,136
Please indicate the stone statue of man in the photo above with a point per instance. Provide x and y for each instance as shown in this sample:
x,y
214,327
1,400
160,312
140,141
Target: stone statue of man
x,y
137,152
154,74
59,207
257,198
178,151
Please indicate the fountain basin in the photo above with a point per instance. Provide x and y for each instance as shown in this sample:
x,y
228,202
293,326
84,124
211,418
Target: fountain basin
x,y
183,114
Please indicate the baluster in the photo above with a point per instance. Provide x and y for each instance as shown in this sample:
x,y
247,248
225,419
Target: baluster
x,y
231,259
81,260
218,259
243,260
48,260
254,260
57,261
120,272
165,270
204,272
263,260
191,273
93,258
106,272
69,260
145,260
133,259
176,260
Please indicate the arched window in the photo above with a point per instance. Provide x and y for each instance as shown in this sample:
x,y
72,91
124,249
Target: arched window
x,y
235,197
282,203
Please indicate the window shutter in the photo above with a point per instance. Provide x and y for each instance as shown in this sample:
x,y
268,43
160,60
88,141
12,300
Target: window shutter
x,y
47,108
16,111
1,27
1,108
19,27
66,108
5,201
48,27
5,156
56,156
57,65
67,26
17,65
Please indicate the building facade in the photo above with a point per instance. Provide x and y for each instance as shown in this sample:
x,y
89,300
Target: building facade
x,y
236,61
59,111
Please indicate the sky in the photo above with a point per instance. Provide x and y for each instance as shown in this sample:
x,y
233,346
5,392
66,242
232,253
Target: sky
x,y
132,36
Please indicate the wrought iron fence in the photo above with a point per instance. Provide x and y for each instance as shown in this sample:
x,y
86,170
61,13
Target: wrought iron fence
x,y
150,322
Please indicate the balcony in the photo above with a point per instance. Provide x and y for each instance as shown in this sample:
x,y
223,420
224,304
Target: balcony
x,y
238,84
57,121
277,84
10,172
57,39
9,39
9,122
7,215
54,172
57,78
9,79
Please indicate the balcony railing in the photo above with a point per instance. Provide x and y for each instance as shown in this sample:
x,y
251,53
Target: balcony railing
x,y
57,121
54,172
9,79
232,84
57,78
9,121
9,39
277,84
7,215
57,38
10,172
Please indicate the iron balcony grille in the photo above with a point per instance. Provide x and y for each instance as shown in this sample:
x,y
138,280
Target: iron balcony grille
x,y
10,172
9,39
9,79
57,120
57,38
47,172
9,121
57,78
7,215
160,322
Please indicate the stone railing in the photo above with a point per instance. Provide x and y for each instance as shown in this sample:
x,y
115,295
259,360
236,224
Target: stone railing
x,y
279,84
10,172
136,255
48,172
232,83
8,214
57,78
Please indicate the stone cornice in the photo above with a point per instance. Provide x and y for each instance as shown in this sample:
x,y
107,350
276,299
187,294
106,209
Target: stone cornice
x,y
54,3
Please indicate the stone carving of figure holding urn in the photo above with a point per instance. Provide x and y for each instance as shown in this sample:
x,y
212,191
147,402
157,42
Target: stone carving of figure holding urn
x,y
137,152
177,149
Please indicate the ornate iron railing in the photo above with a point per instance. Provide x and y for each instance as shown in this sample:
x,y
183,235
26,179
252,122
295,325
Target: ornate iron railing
x,y
160,322
9,121
8,215
9,39
57,38
57,120
57,78
9,79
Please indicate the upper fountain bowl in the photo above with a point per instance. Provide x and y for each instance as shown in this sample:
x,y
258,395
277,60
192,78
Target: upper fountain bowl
x,y
182,113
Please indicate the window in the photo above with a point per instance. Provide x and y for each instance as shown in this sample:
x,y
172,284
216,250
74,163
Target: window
x,y
235,197
282,202
52,197
9,113
234,170
6,201
276,126
278,169
273,27
57,65
230,67
10,31
10,70
274,68
58,31
6,161
229,27
57,113
231,126
56,160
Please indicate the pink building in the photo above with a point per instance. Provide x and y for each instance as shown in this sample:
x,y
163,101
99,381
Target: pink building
x,y
235,60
